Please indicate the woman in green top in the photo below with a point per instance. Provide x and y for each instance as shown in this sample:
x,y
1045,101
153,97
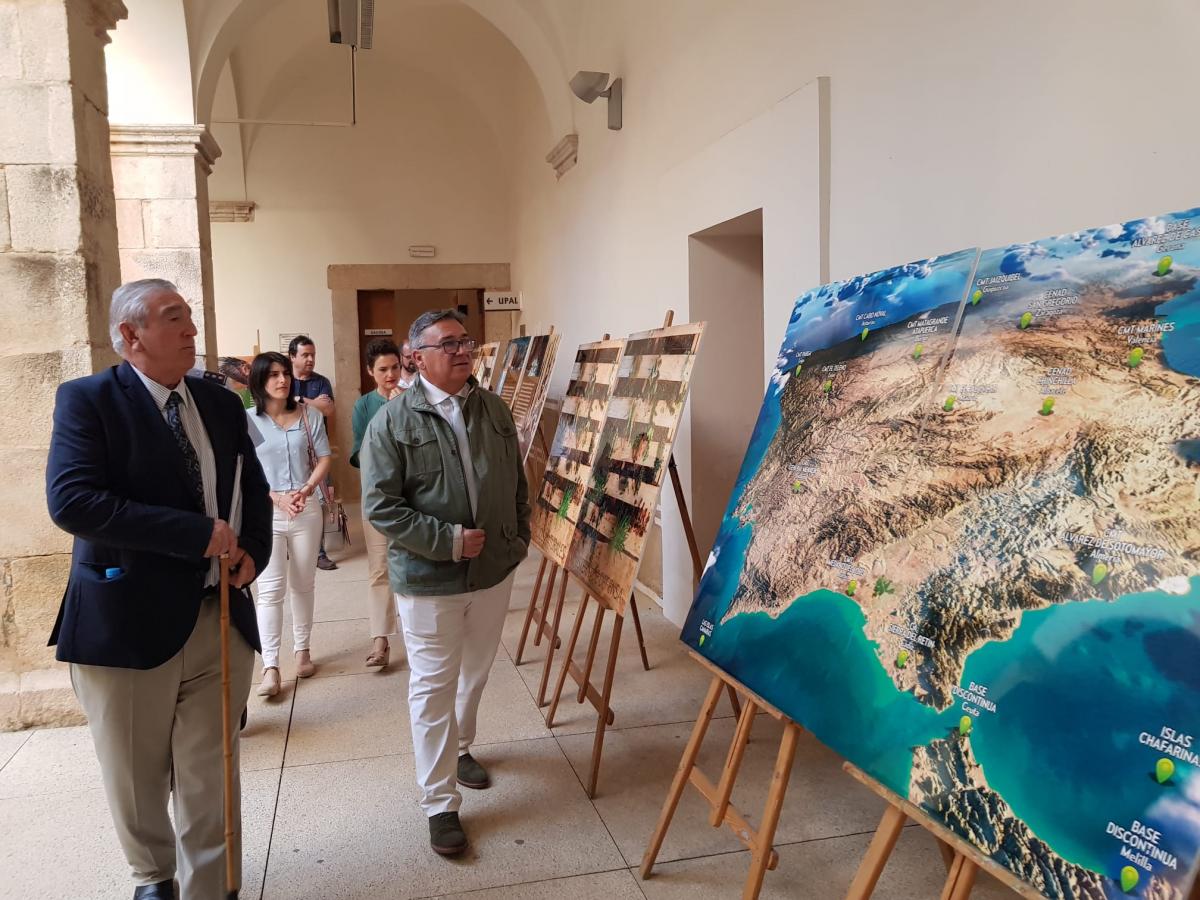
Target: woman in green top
x,y
383,364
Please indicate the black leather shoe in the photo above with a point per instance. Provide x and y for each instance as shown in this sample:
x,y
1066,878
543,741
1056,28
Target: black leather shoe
x,y
471,774
446,835
164,890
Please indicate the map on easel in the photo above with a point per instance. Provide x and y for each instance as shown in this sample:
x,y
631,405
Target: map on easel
x,y
972,568
485,363
532,388
569,467
634,449
510,372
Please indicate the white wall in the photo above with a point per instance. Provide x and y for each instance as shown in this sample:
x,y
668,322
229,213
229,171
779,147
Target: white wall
x,y
418,170
950,125
149,75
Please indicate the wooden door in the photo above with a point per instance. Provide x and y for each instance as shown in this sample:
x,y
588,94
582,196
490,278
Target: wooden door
x,y
376,312
410,304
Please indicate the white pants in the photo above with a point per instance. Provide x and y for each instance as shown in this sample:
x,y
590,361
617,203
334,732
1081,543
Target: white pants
x,y
292,571
158,732
381,607
451,642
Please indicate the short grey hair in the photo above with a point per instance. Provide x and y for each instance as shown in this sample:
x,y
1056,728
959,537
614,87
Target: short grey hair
x,y
427,320
129,306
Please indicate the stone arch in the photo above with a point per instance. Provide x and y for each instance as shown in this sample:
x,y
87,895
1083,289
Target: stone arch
x,y
217,25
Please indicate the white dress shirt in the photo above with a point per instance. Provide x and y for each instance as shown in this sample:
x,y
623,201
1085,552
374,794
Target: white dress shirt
x,y
193,427
449,408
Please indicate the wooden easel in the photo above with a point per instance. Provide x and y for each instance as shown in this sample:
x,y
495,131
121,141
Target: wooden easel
x,y
963,860
541,608
582,677
762,855
535,602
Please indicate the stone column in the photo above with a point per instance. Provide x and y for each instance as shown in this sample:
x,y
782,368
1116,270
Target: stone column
x,y
160,177
58,269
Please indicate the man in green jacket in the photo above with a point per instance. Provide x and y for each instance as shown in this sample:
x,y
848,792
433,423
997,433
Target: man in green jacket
x,y
443,481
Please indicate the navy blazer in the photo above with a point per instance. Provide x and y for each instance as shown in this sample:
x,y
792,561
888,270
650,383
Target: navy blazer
x,y
116,480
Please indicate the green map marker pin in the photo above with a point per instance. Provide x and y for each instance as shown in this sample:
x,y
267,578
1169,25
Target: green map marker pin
x,y
949,404
798,368
865,332
1047,406
976,297
918,350
1129,878
1026,318
797,487
851,587
1135,357
964,725
827,387
901,659
702,640
1164,266
1163,770
1099,573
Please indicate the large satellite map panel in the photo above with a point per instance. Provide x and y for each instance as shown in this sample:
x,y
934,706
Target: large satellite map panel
x,y
964,548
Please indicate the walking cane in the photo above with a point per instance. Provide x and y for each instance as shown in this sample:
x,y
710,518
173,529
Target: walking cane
x,y
227,734
226,702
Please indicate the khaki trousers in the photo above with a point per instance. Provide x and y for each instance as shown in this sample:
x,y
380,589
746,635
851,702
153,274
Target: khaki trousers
x,y
381,605
157,732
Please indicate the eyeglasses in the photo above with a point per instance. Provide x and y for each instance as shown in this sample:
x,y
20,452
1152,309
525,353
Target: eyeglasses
x,y
452,347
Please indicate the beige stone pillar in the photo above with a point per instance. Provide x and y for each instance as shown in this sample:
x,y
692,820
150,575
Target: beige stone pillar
x,y
58,269
160,178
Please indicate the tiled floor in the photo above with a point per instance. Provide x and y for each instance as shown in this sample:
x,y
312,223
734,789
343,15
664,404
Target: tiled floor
x,y
330,809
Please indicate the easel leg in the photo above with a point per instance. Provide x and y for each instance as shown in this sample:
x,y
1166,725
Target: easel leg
x,y
552,640
686,763
562,676
774,805
541,625
591,653
961,879
602,714
533,598
733,762
733,700
637,624
947,853
878,852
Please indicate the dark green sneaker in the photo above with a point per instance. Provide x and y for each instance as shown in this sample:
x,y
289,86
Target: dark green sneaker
x,y
446,835
471,774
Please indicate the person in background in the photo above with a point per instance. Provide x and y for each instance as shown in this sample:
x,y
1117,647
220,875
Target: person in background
x,y
292,438
443,482
314,389
383,365
408,366
142,472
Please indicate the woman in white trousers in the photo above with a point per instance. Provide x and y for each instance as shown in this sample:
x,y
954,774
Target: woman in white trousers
x,y
295,457
383,365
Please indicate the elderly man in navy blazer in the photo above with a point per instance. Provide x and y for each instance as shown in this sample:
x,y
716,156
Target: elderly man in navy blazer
x,y
141,471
